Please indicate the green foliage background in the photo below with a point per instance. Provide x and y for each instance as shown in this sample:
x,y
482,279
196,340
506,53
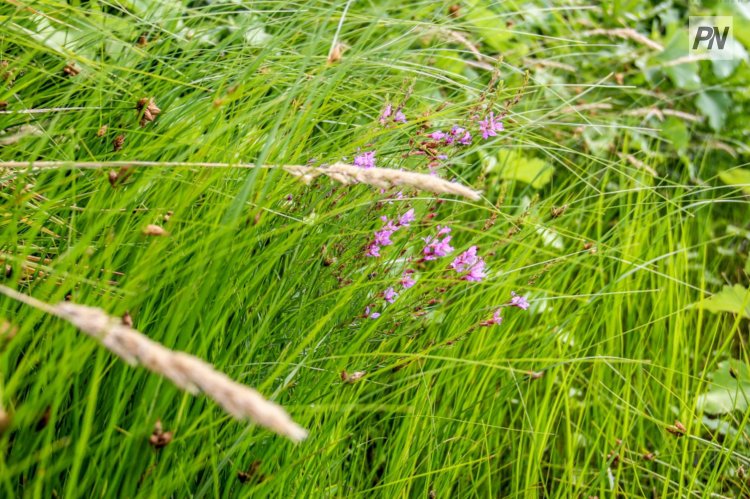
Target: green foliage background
x,y
638,290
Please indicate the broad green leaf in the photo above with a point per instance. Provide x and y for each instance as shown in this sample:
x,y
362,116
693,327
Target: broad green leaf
x,y
735,299
256,36
512,165
555,86
449,60
742,9
489,25
165,13
550,238
62,39
738,231
729,389
599,139
675,131
714,106
723,68
737,176
683,75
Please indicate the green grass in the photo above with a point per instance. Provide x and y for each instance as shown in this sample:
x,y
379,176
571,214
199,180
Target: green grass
x,y
564,399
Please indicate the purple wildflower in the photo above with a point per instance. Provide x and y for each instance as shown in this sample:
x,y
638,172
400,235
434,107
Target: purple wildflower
x,y
365,160
490,126
436,135
386,114
465,260
373,315
389,295
407,280
496,317
406,218
373,250
476,272
397,117
518,301
435,247
389,225
382,237
462,135
468,260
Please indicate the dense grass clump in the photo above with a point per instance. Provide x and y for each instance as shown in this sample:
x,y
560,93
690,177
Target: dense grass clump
x,y
581,329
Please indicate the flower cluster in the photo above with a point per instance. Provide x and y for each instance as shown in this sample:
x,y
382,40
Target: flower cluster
x,y
365,160
407,280
436,146
390,294
497,318
435,247
469,262
490,126
371,315
515,301
456,135
383,236
396,117
518,301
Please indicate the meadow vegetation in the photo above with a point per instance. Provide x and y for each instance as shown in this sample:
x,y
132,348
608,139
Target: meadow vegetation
x,y
579,328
